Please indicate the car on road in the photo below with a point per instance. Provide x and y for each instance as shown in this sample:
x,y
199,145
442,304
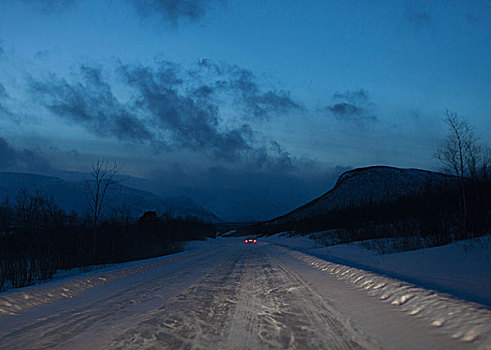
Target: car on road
x,y
250,240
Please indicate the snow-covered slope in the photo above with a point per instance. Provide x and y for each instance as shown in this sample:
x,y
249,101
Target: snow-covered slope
x,y
70,195
461,268
361,186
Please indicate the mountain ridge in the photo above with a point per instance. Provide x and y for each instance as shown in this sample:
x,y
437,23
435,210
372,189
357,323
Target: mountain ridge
x,y
70,196
377,184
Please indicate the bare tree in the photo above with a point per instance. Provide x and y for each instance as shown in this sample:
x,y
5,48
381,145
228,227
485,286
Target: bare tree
x,y
103,178
462,155
452,152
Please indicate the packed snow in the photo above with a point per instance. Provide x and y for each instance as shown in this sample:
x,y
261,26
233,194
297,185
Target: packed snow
x,y
223,294
459,319
462,269
70,283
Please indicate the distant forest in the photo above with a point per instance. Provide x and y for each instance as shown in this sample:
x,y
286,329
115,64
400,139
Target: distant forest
x,y
37,238
435,216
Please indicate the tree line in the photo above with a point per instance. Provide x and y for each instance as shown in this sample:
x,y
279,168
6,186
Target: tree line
x,y
432,217
37,238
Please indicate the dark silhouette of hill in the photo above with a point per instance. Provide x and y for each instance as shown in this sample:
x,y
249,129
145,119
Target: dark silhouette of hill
x,y
70,196
364,186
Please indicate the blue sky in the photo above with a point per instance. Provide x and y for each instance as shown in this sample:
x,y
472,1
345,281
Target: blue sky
x,y
235,102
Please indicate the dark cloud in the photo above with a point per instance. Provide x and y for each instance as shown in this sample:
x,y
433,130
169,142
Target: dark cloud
x,y
188,103
272,157
258,102
352,106
4,110
356,96
169,10
189,119
345,110
170,108
173,10
3,92
91,104
20,160
423,14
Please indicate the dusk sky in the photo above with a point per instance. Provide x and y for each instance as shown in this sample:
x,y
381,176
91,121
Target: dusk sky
x,y
249,107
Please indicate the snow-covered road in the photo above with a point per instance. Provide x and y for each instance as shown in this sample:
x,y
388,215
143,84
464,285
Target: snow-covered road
x,y
228,295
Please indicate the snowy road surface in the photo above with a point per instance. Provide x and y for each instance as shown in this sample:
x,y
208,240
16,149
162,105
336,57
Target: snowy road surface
x,y
228,295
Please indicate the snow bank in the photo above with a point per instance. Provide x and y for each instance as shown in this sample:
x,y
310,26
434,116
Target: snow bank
x,y
461,320
72,282
462,269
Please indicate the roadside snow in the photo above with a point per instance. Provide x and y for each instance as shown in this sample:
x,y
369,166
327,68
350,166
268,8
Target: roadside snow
x,y
69,283
462,269
223,294
456,318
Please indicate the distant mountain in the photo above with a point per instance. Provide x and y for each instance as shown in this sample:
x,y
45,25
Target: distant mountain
x,y
70,195
362,186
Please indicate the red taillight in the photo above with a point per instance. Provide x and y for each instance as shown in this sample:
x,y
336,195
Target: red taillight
x,y
246,241
254,241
